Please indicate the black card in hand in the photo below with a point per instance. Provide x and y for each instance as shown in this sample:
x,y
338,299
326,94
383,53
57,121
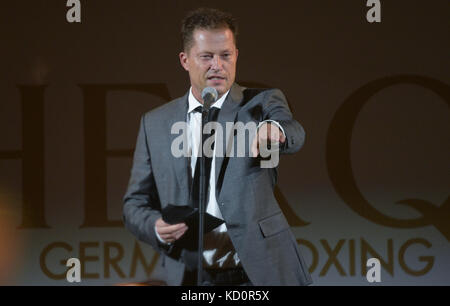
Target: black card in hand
x,y
173,214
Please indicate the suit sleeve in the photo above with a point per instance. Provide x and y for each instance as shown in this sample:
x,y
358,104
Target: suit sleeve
x,y
141,202
275,107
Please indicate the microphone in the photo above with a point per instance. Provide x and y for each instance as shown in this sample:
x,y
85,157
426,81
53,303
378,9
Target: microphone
x,y
209,96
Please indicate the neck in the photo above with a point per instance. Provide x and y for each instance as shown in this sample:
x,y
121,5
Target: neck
x,y
197,95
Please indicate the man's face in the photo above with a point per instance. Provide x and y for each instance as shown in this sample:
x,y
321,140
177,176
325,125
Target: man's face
x,y
211,60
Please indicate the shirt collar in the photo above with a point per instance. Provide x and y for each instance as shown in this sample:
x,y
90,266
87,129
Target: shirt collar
x,y
194,103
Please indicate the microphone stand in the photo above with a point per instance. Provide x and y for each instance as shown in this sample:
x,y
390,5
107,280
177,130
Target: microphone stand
x,y
209,96
202,199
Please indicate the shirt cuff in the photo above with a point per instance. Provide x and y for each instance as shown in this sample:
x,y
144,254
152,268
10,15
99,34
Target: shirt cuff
x,y
160,239
274,122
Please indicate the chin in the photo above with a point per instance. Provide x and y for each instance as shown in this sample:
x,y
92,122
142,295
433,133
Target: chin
x,y
221,89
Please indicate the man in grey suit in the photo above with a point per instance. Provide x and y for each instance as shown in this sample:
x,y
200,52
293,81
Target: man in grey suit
x,y
254,245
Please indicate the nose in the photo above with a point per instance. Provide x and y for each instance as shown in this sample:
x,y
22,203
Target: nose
x,y
216,63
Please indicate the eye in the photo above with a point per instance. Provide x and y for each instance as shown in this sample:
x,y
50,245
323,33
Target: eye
x,y
206,56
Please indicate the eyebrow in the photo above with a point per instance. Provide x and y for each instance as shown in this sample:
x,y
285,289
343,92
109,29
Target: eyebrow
x,y
221,52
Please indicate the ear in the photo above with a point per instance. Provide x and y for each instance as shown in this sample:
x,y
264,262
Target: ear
x,y
184,60
237,53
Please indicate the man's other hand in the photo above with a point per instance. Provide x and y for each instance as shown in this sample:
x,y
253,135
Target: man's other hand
x,y
170,232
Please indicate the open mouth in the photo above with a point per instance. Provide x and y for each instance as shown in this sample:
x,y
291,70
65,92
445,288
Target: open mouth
x,y
216,78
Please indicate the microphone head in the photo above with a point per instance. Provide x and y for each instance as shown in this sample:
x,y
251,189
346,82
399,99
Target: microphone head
x,y
209,96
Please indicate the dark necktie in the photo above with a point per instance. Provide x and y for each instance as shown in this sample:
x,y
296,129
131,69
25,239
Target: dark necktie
x,y
195,188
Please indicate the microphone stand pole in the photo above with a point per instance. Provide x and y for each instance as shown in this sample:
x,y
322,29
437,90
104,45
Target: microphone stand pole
x,y
202,200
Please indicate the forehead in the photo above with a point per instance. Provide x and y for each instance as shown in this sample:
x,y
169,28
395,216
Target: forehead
x,y
213,39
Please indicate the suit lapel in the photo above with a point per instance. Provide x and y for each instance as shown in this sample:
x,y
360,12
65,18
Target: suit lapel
x,y
227,113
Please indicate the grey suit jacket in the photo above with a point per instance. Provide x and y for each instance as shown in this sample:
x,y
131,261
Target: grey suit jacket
x,y
257,228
